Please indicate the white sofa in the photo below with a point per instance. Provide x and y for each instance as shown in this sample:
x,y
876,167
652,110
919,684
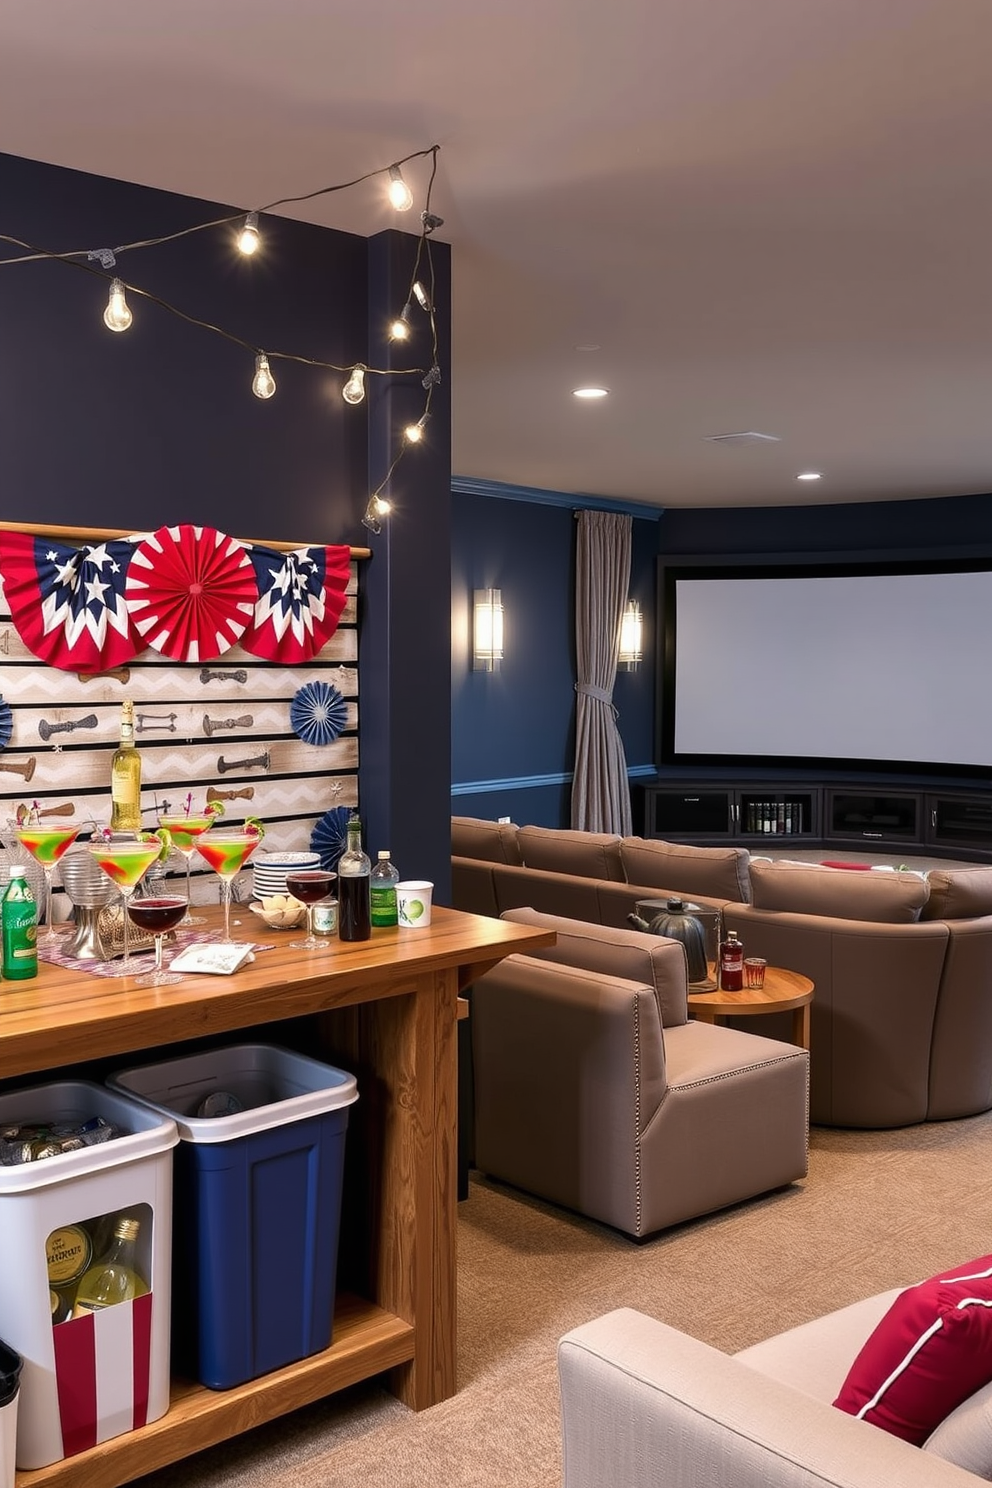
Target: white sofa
x,y
644,1404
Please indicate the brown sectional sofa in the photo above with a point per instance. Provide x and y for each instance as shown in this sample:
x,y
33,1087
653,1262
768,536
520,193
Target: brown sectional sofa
x,y
901,1020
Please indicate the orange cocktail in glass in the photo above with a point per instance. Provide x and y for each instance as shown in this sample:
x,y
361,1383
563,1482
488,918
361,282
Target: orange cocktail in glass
x,y
226,852
46,844
125,862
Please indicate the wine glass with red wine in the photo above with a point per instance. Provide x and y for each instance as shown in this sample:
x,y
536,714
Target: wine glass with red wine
x,y
157,915
310,885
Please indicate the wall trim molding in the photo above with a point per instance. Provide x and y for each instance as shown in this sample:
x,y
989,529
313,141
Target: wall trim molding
x,y
532,782
467,485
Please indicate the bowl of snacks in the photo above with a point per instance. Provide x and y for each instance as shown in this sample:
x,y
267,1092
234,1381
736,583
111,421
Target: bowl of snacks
x,y
279,911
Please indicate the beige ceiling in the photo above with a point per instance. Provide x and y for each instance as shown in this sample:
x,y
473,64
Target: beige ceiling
x,y
770,215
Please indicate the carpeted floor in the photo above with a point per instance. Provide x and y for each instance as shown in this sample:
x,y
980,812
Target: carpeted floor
x,y
878,1209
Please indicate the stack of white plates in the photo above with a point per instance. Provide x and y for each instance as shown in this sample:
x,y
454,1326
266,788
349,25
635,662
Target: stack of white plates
x,y
270,870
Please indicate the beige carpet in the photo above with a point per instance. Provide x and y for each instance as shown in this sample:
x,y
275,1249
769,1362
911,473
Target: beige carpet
x,y
878,1209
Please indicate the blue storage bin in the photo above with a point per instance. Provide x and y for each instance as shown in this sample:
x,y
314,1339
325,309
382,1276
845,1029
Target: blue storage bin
x,y
256,1206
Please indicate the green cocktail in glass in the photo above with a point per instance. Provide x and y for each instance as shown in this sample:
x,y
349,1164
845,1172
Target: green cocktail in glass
x,y
184,831
46,844
226,852
125,863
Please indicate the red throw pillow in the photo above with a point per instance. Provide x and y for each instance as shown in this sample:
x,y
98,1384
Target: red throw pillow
x,y
931,1350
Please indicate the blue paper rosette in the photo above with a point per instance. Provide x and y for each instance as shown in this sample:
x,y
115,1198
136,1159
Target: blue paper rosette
x,y
6,724
317,713
329,836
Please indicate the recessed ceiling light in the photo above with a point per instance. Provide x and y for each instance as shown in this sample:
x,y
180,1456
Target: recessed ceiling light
x,y
809,475
588,346
590,392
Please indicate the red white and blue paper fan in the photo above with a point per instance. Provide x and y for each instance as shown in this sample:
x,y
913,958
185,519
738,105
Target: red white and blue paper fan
x,y
301,595
317,713
191,592
68,603
329,836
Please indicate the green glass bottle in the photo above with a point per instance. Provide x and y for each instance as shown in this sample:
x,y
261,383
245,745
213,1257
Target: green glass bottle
x,y
19,928
115,1277
382,891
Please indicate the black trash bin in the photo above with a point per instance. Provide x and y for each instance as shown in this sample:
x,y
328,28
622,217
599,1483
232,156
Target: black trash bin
x,y
10,1372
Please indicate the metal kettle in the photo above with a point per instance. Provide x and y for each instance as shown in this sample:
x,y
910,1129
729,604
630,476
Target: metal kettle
x,y
677,922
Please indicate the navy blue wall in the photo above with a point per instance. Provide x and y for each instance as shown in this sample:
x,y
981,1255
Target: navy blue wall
x,y
513,730
158,425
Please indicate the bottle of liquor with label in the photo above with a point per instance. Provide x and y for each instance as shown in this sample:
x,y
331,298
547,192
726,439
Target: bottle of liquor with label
x,y
731,963
382,888
19,927
115,1276
354,873
125,777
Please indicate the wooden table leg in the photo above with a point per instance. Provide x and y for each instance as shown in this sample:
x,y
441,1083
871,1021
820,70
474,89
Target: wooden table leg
x,y
800,1027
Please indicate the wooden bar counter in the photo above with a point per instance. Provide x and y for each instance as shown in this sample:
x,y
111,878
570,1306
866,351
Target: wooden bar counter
x,y
383,1009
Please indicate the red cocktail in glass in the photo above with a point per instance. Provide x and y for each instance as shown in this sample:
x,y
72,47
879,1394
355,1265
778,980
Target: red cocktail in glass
x,y
310,885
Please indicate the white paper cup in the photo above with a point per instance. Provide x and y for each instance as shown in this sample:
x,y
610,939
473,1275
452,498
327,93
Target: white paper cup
x,y
413,903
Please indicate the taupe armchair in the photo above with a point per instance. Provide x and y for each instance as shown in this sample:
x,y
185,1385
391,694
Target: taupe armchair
x,y
593,1090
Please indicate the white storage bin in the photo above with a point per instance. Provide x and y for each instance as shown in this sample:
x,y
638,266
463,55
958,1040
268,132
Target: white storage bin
x,y
95,1377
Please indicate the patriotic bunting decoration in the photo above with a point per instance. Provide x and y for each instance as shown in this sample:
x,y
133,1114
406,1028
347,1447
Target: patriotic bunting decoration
x,y
191,592
68,603
301,595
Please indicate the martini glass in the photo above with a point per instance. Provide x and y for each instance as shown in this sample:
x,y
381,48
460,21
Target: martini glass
x,y
157,916
46,844
184,831
226,852
310,885
125,863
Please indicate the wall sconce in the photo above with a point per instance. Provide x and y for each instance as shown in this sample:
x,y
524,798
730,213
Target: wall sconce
x,y
630,637
487,646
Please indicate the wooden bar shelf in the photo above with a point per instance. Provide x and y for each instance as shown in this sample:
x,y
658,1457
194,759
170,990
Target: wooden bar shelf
x,y
386,1010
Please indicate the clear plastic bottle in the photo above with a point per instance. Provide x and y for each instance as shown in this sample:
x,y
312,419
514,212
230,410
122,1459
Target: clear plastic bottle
x,y
115,1276
354,873
382,890
19,926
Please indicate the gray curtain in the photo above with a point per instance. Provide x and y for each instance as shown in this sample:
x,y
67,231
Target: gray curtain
x,y
600,793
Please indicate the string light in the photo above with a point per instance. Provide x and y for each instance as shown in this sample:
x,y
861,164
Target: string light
x,y
263,384
400,195
248,239
117,316
354,389
399,329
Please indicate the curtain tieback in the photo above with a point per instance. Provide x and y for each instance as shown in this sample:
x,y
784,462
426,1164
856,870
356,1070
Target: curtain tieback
x,y
586,689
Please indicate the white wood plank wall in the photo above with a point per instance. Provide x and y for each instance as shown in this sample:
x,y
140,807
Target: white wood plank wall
x,y
220,730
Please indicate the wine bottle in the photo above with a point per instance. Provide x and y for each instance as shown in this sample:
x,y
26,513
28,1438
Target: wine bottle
x,y
354,872
19,927
125,776
731,964
115,1277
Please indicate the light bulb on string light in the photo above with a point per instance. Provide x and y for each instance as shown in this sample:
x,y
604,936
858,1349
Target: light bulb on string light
x,y
400,195
422,297
117,316
263,384
354,389
399,329
378,507
248,239
414,433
